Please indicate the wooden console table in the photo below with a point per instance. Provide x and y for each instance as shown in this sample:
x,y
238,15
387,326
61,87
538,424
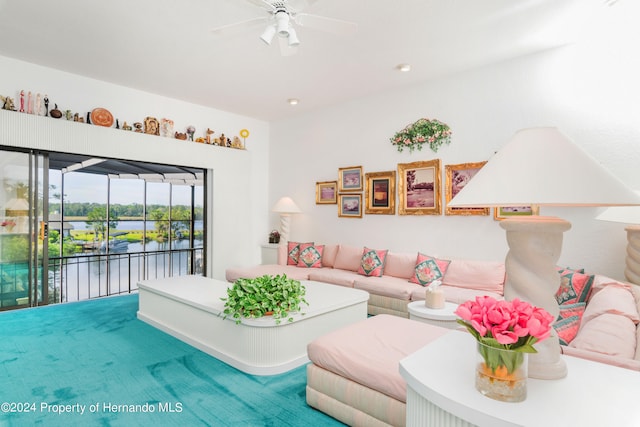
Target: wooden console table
x,y
441,391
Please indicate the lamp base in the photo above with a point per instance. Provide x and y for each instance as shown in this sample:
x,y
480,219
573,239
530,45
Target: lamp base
x,y
632,270
535,243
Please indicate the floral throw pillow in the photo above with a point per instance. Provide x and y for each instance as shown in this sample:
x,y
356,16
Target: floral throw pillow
x,y
567,329
372,262
310,256
293,251
574,287
429,269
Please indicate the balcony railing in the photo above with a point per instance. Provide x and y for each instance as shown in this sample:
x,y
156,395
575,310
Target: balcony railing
x,y
82,277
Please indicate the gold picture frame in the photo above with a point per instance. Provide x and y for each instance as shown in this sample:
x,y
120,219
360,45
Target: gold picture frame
x,y
456,177
350,179
350,205
503,212
419,188
380,194
326,193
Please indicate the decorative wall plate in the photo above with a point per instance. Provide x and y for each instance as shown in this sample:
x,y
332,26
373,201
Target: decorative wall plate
x,y
101,117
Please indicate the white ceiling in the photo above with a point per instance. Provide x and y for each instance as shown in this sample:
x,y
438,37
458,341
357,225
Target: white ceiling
x,y
165,46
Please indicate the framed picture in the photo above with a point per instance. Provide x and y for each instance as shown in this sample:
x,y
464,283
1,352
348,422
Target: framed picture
x,y
456,177
350,205
350,179
419,188
511,211
380,195
327,193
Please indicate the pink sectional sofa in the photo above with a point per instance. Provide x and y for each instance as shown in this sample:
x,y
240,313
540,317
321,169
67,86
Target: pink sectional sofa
x,y
603,328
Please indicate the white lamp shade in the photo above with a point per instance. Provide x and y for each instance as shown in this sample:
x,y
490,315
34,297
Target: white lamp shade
x,y
267,35
286,205
541,166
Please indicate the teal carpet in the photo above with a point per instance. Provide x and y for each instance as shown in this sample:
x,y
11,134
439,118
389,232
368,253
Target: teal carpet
x,y
98,357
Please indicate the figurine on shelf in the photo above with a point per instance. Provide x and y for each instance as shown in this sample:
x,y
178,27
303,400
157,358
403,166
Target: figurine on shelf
x,y
181,136
38,110
236,143
208,137
68,115
125,126
151,126
190,131
55,113
29,104
22,101
8,103
138,127
166,127
46,105
200,139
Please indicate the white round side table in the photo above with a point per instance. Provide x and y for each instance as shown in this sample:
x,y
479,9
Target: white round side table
x,y
443,317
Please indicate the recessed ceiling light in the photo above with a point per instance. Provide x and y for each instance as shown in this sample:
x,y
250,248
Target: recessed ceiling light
x,y
292,101
404,67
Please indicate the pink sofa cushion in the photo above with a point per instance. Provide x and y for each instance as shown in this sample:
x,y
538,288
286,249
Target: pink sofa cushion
x,y
372,262
387,286
348,258
334,276
480,275
310,256
400,265
607,334
329,255
428,269
614,299
369,352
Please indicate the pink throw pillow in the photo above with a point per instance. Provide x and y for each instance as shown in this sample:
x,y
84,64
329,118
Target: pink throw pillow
x,y
293,252
428,269
574,287
310,256
372,262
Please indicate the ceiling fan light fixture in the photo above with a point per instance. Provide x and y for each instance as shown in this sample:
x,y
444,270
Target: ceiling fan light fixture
x,y
293,38
282,23
268,33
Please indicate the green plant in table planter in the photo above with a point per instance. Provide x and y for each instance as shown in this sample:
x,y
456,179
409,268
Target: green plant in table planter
x,y
252,298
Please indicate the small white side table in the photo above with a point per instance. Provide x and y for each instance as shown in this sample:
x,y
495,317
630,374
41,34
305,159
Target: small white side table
x,y
443,317
270,253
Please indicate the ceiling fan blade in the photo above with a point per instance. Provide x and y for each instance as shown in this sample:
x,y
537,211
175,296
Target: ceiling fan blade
x,y
263,4
285,49
298,5
322,23
238,27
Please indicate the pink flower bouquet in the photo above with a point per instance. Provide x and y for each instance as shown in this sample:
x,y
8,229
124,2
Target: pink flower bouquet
x,y
506,325
512,325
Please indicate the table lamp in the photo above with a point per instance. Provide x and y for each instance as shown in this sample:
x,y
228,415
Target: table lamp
x,y
628,215
285,207
540,167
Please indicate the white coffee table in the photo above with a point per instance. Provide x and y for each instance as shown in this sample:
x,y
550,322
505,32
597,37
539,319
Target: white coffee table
x,y
190,309
443,317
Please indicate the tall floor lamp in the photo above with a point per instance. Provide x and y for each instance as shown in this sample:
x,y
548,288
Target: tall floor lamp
x,y
285,207
628,215
540,166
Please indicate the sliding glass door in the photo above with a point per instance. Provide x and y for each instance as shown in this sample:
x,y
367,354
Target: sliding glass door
x,y
23,250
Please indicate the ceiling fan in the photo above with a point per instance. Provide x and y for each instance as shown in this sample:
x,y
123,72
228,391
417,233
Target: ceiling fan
x,y
281,15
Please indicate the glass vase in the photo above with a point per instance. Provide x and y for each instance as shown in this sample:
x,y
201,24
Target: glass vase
x,y
501,374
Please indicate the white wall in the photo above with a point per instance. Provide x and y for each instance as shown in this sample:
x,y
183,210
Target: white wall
x,y
589,90
237,223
